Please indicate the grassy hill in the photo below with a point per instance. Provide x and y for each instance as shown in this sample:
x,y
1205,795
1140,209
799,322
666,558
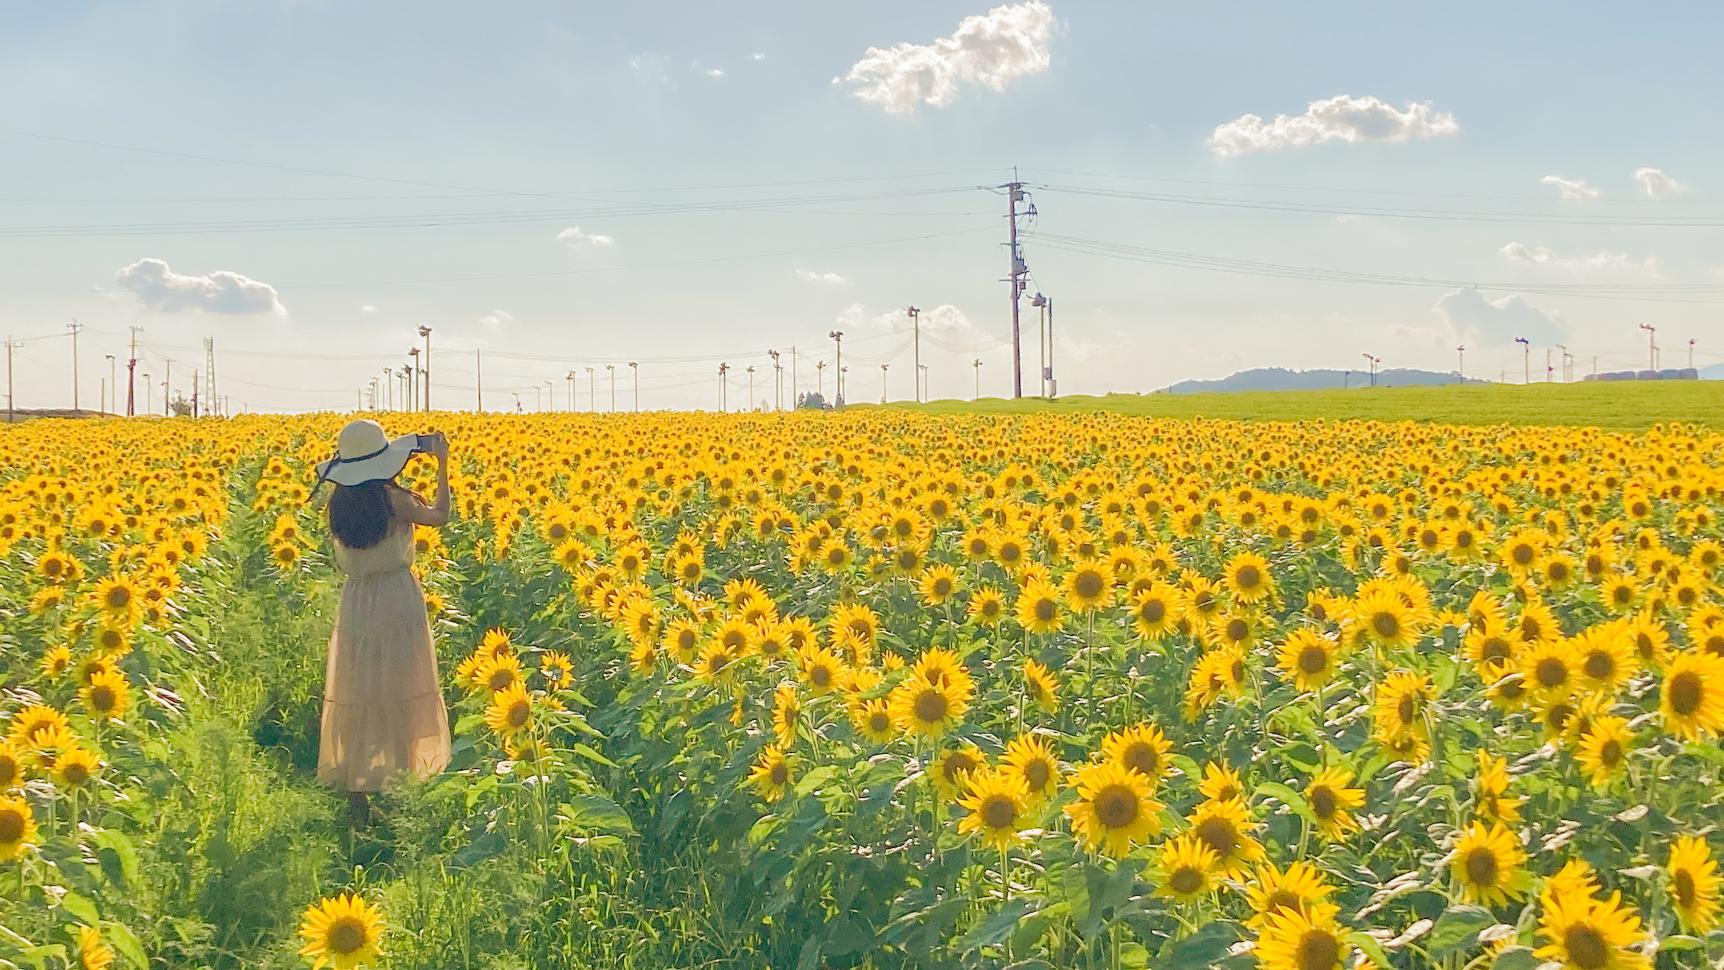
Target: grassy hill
x,y
1612,405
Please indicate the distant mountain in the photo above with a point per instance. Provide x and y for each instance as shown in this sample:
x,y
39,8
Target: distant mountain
x,y
1282,379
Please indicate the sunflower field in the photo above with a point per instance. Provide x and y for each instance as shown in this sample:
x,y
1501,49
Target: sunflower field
x,y
881,689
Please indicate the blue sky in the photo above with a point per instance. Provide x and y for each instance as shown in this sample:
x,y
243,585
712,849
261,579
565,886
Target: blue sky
x,y
565,185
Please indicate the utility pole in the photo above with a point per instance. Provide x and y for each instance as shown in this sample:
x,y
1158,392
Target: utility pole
x,y
131,383
1525,359
389,388
1547,368
1651,349
612,368
195,375
113,381
167,379
922,379
425,331
418,377
592,392
882,383
1461,363
550,395
635,369
1371,362
1018,269
209,375
777,381
479,383
74,327
838,375
149,389
1690,353
723,388
977,364
820,378
916,328
570,377
1564,361
795,403
11,406
750,387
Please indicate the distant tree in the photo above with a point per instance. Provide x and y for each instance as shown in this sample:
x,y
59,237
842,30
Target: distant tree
x,y
181,407
813,401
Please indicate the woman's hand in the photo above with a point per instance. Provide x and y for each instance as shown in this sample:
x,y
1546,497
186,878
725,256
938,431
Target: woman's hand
x,y
435,444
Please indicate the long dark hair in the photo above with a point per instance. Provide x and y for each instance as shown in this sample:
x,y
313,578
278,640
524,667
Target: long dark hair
x,y
361,515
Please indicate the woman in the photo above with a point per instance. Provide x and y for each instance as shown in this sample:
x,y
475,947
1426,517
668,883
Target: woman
x,y
383,712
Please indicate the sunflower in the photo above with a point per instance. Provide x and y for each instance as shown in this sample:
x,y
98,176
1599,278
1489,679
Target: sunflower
x,y
786,711
93,952
771,773
1303,940
951,770
1333,803
1694,884
1038,607
1620,593
1400,704
1651,640
924,709
1488,864
1296,889
1606,658
1692,696
1032,760
342,932
873,720
1574,879
1114,809
1604,749
107,695
1308,658
1247,578
1186,869
718,662
938,584
987,606
1590,934
510,712
681,640
1220,783
1142,749
17,827
1491,801
557,669
1386,620
1156,609
1042,687
996,800
56,661
821,669
1087,586
11,766
498,673
1226,828
36,719
1490,650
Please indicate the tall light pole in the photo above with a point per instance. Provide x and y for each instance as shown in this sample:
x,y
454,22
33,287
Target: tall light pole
x,y
750,387
1547,368
1461,362
977,364
1651,351
1690,353
883,383
723,387
1564,362
820,378
167,378
417,376
1525,359
635,369
551,395
612,370
838,342
592,392
114,372
570,377
1015,276
777,381
915,314
922,378
1371,361
389,387
425,371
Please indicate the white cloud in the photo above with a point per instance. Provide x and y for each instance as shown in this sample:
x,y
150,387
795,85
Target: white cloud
x,y
714,72
1604,261
817,277
575,237
1341,118
495,319
160,288
1655,183
991,50
368,308
757,56
1570,188
650,66
1476,318
940,321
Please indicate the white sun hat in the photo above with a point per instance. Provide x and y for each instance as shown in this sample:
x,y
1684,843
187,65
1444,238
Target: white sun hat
x,y
364,453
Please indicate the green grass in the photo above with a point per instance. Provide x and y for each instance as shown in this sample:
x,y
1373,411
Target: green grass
x,y
1613,405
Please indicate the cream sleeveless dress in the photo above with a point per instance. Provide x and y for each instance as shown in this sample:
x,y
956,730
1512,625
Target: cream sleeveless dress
x,y
383,712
